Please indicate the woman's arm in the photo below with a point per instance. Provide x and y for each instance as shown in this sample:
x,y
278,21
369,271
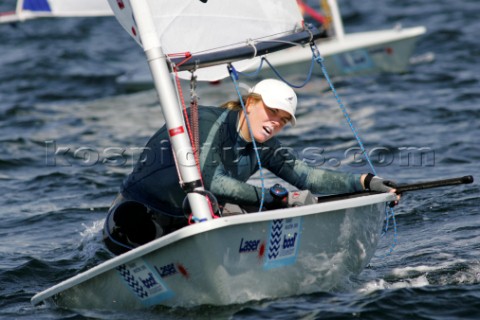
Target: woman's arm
x,y
283,163
228,189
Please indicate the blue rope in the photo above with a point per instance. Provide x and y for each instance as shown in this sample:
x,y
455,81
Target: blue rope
x,y
307,80
255,73
319,59
234,76
277,73
389,213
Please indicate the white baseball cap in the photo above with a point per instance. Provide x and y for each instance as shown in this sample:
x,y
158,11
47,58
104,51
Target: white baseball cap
x,y
277,94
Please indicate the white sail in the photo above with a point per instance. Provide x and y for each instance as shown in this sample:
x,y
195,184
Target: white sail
x,y
32,9
194,26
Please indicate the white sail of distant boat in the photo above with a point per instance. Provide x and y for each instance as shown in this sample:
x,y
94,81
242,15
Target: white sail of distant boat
x,y
33,9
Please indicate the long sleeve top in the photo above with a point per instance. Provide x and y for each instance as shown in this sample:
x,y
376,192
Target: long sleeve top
x,y
227,162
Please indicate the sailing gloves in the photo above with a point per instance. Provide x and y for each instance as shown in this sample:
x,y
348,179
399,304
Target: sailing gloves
x,y
375,183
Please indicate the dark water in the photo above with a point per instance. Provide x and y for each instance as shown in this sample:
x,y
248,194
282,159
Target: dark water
x,y
61,112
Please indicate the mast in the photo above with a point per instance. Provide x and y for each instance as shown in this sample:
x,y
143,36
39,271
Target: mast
x,y
181,145
337,19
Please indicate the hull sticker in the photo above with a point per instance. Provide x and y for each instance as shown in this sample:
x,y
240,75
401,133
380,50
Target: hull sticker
x,y
144,282
283,242
354,61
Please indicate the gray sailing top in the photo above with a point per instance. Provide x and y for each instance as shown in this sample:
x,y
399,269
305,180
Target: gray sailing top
x,y
227,162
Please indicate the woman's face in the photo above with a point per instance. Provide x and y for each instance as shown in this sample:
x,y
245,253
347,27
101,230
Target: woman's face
x,y
265,122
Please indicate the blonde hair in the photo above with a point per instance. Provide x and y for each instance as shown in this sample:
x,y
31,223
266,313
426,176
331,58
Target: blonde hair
x,y
237,105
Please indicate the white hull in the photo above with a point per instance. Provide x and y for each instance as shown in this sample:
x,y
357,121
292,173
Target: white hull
x,y
355,54
235,259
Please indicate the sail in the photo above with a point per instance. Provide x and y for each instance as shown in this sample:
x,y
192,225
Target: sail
x,y
199,26
31,9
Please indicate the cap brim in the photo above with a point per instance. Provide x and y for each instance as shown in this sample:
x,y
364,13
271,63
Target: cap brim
x,y
293,120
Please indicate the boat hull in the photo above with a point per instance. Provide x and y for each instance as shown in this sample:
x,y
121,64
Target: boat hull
x,y
235,259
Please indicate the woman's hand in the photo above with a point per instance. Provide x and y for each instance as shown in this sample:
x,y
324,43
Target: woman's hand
x,y
375,183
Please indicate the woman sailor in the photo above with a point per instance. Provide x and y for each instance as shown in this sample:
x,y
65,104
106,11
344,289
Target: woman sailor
x,y
150,203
